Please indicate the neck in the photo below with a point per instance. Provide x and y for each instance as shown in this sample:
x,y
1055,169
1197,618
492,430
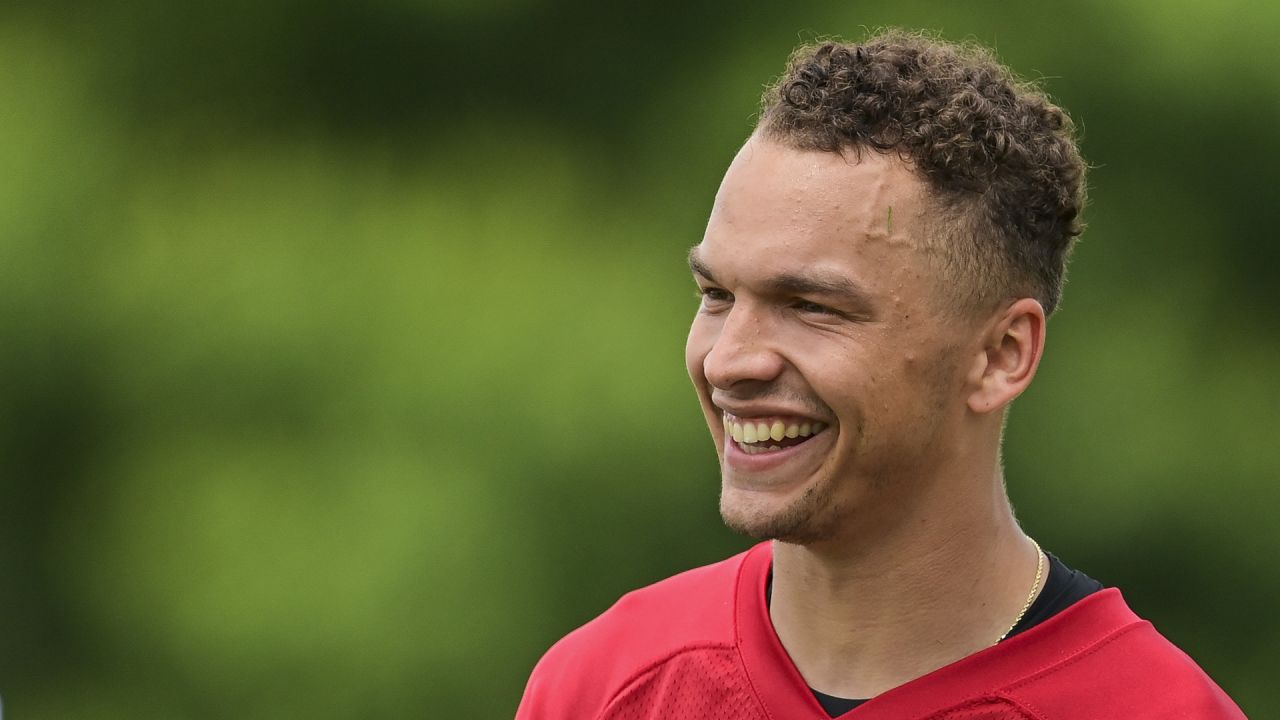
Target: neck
x,y
869,611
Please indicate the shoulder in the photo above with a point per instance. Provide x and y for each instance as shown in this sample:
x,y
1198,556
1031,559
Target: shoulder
x,y
643,628
692,608
1131,671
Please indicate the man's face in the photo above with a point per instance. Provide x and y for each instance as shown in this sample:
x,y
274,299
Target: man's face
x,y
830,379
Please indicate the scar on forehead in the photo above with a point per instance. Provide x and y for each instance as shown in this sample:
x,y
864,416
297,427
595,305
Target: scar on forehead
x,y
889,224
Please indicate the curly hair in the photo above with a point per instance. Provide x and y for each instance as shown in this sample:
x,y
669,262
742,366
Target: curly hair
x,y
1007,181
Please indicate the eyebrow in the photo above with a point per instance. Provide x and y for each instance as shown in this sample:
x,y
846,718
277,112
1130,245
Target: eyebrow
x,y
697,266
814,283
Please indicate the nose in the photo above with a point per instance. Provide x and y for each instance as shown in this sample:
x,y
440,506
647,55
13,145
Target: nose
x,y
743,351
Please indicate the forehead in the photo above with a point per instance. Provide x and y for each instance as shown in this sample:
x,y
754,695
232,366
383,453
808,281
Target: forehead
x,y
784,209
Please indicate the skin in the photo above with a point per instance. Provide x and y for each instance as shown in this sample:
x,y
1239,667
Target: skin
x,y
896,551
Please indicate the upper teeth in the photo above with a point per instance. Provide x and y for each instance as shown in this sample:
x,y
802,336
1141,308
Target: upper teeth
x,y
758,431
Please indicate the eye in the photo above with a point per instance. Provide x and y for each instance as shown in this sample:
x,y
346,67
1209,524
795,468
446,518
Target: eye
x,y
806,306
714,296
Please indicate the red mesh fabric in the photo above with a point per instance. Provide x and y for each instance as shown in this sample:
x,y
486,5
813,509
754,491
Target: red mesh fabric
x,y
702,684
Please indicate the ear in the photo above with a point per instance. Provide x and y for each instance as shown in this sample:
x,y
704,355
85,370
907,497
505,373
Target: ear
x,y
1010,353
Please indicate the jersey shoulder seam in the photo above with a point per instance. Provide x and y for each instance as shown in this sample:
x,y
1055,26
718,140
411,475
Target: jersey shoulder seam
x,y
1071,659
644,670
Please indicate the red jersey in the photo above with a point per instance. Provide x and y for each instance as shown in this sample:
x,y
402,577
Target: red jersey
x,y
700,645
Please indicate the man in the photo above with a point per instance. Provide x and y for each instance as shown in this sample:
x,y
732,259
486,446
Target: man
x,y
876,275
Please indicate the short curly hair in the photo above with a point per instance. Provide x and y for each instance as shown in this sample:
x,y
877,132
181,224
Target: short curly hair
x,y
1006,178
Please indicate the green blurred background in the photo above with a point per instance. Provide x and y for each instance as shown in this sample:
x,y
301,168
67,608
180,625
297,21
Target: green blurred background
x,y
342,341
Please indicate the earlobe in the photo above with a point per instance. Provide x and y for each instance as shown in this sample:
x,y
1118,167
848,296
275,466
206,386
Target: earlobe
x,y
1009,357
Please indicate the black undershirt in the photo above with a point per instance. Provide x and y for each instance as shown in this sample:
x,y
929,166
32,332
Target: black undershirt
x,y
1062,588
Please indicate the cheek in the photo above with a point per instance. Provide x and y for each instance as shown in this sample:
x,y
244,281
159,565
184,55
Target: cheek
x,y
696,347
939,369
865,382
835,377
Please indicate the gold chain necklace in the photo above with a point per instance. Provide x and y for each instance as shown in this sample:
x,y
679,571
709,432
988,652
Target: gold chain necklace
x,y
1031,595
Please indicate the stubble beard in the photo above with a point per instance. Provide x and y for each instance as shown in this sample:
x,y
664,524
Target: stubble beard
x,y
818,514
812,517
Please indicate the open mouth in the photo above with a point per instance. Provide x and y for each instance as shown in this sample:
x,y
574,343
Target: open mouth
x,y
755,436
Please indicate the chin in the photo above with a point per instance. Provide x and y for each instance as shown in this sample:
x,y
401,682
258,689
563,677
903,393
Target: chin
x,y
808,518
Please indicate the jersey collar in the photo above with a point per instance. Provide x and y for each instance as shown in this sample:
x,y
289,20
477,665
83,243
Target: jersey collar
x,y
785,694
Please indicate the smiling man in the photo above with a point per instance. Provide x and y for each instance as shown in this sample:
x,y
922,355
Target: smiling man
x,y
876,275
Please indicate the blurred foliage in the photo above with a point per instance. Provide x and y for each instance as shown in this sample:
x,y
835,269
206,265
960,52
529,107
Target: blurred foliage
x,y
342,341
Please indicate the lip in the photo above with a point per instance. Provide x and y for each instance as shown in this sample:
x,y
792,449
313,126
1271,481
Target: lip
x,y
758,410
740,461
